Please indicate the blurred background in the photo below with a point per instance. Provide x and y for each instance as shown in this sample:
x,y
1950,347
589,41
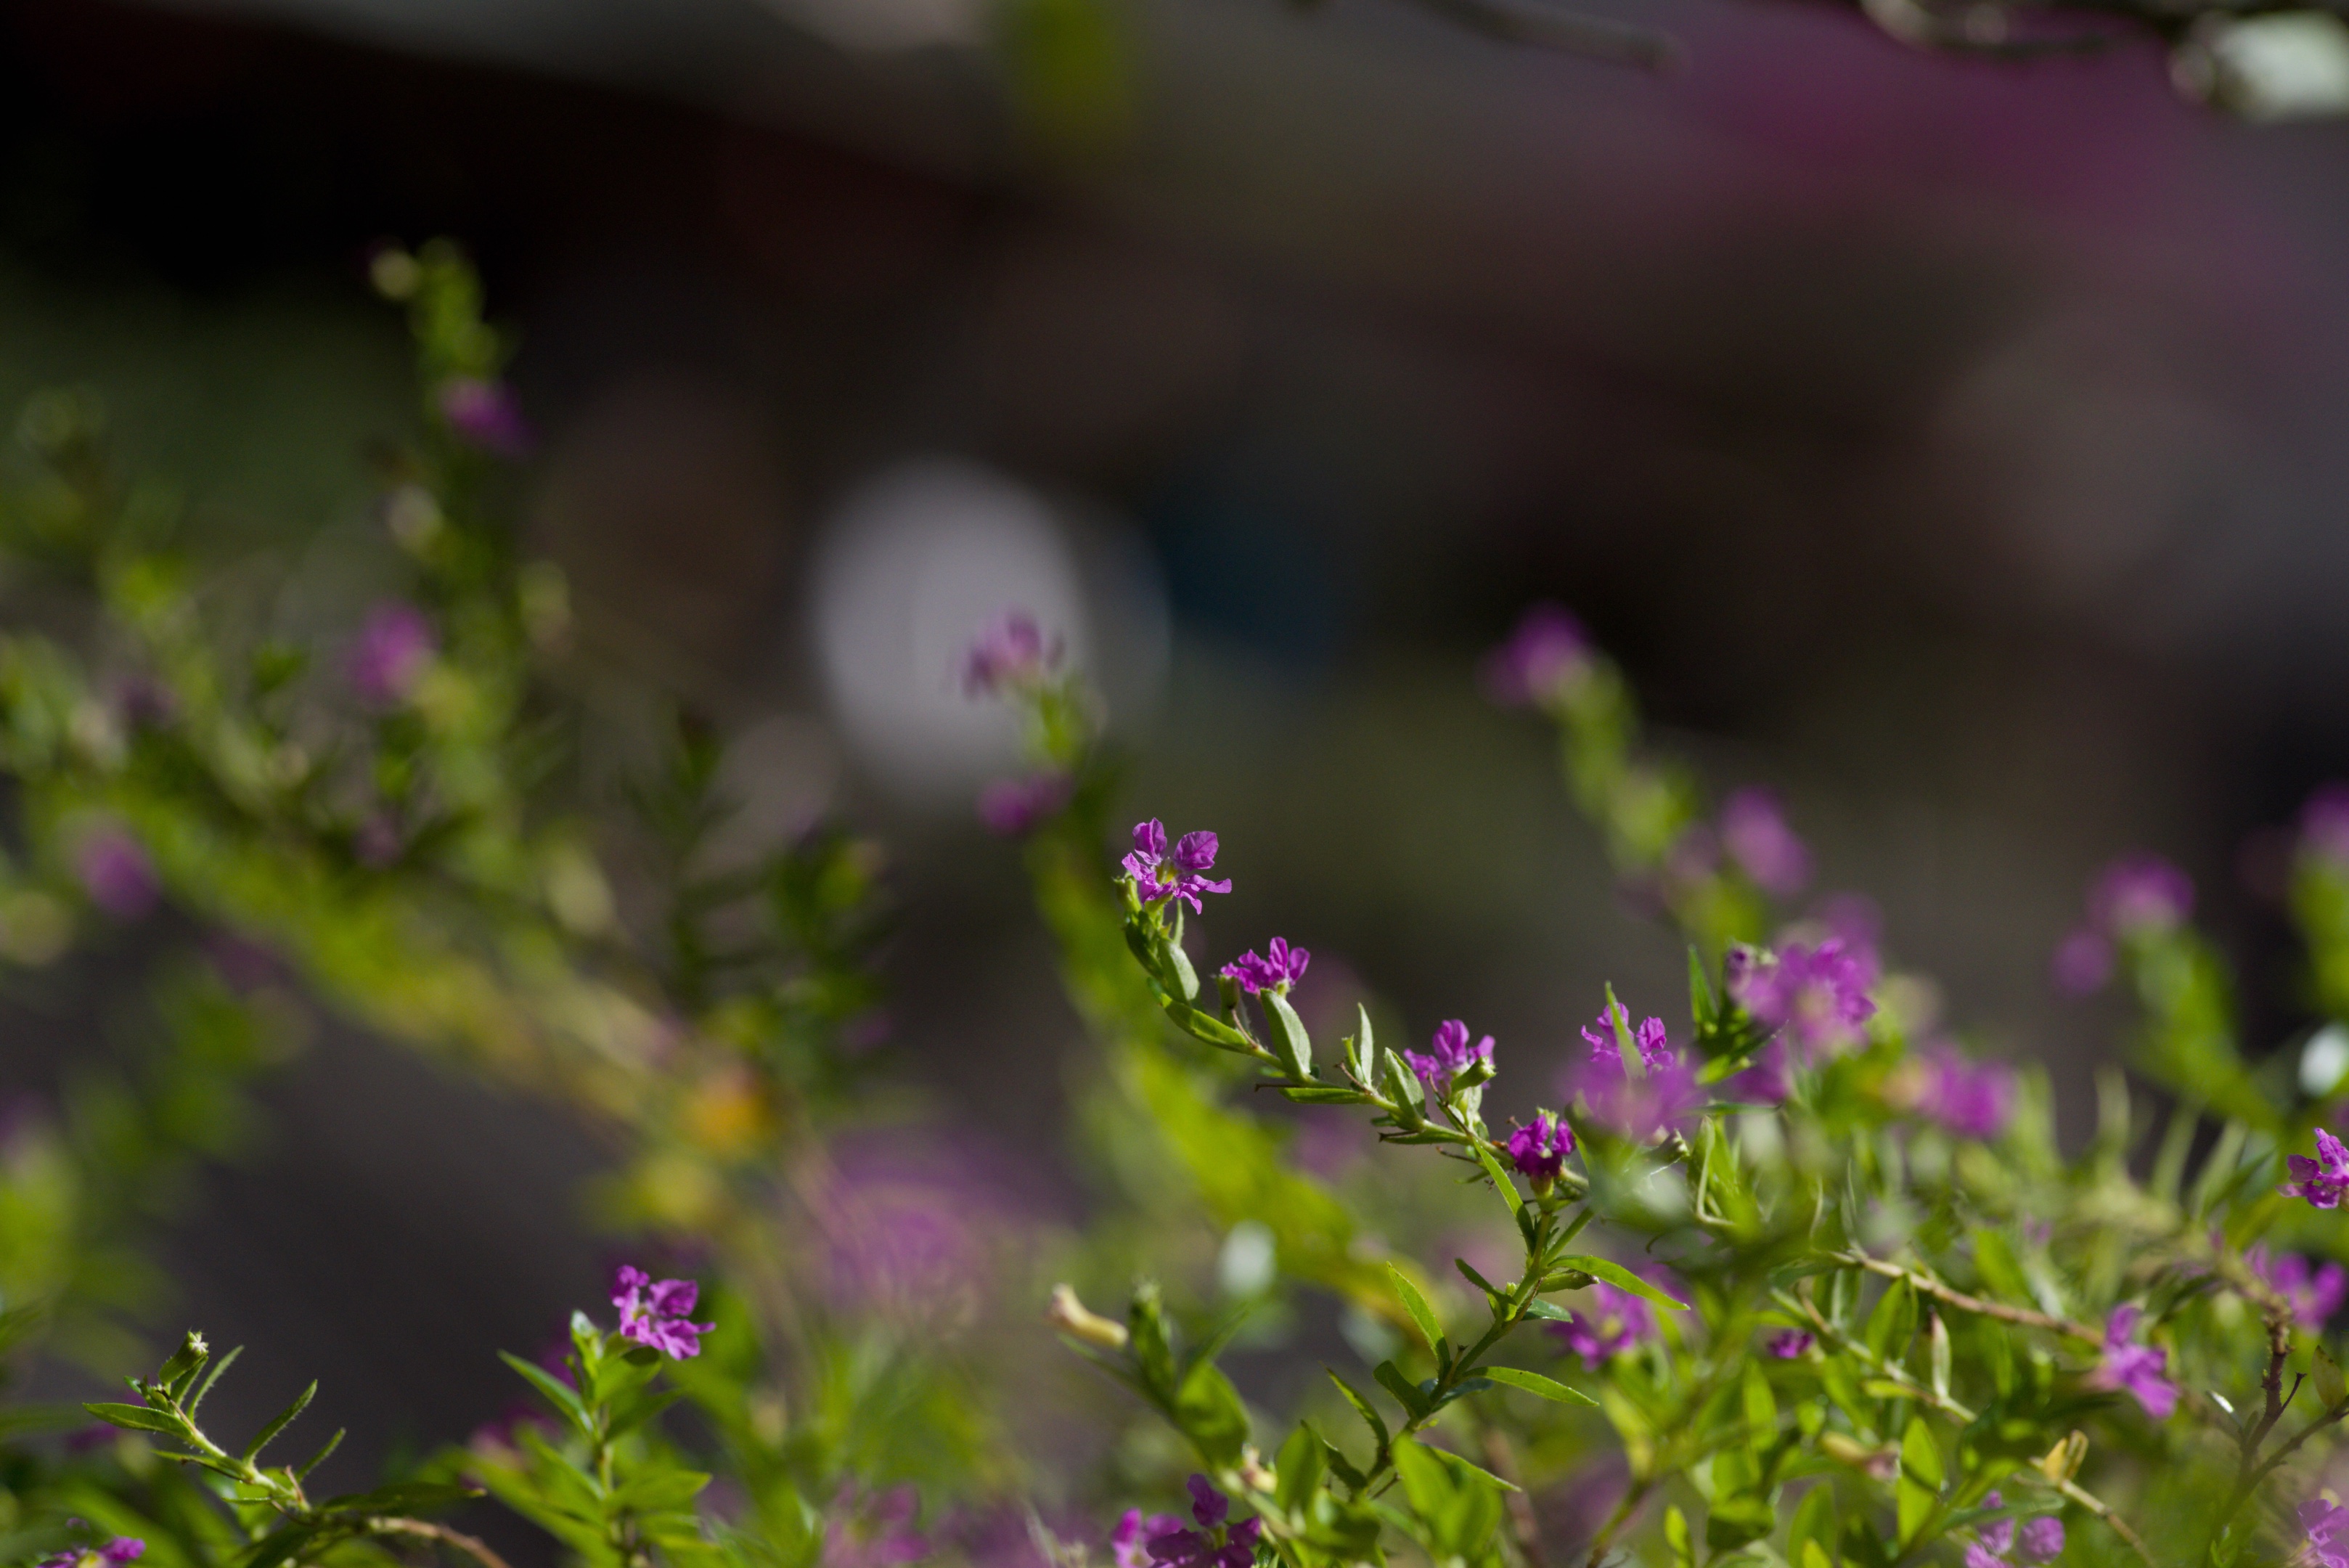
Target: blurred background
x,y
1955,447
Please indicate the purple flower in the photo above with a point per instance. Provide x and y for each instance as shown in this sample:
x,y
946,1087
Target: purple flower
x,y
1451,1055
1014,807
2325,824
2314,1297
1128,1542
485,414
1539,1151
393,649
654,1313
1787,1343
1008,656
1615,1321
1159,876
2327,1524
1544,659
2083,961
121,1549
116,873
1972,1099
1281,967
1212,1545
1768,1081
1817,994
1755,833
1660,1098
2139,893
2042,1541
2138,1370
2323,1180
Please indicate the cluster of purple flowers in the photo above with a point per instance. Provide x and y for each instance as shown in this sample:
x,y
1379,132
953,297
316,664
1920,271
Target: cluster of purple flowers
x,y
113,1555
2323,1180
2140,1371
2314,1294
1139,1541
1816,995
1450,1057
1788,1343
1159,876
1996,1545
1281,967
1657,1098
1011,655
1972,1099
2134,896
1755,832
393,649
1615,1322
656,1312
1538,1150
1545,658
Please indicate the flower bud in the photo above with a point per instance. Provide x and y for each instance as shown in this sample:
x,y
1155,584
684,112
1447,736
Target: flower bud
x,y
1070,1315
2063,1461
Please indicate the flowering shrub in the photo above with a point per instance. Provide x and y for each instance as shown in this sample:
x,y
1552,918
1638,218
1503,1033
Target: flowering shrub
x,y
1786,1276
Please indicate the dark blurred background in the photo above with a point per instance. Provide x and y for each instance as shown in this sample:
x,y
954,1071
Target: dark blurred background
x,y
1955,446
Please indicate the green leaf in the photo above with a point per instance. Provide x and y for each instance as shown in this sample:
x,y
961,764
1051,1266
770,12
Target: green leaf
x,y
1416,1304
223,1364
1549,1309
1621,1278
1320,1095
1502,1184
1146,1325
1498,1297
285,1419
278,1546
1734,1521
1290,1043
185,1364
1361,1049
1676,1538
1918,1495
302,1471
643,1409
138,1417
1534,1382
1403,1088
1364,1408
1405,1391
1701,1009
1814,1527
661,1490
1300,1465
561,1395
1209,1411
1761,1408
402,1496
1893,1322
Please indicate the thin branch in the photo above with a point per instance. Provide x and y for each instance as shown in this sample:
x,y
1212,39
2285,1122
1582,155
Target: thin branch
x,y
472,1546
1925,1285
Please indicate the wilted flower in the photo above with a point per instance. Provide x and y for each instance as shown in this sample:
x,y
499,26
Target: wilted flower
x,y
1818,995
391,653
2323,1180
1972,1099
1450,1055
1013,807
1756,834
1213,1544
2327,1524
2313,1295
1543,657
1615,1321
656,1313
1787,1343
2138,1370
1281,967
1159,876
2139,893
1009,655
486,414
1539,1150
114,870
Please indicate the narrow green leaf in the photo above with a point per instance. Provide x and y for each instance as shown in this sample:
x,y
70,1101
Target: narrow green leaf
x,y
1290,1043
1496,1297
1676,1538
1364,1408
1918,1495
1320,1095
560,1394
1416,1304
302,1472
1361,1049
136,1416
1761,1408
1300,1465
1502,1184
1534,1382
1621,1278
1405,1391
212,1376
285,1419
1549,1310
